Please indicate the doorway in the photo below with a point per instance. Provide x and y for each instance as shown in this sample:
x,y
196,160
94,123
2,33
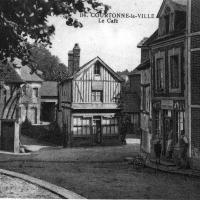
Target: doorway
x,y
167,128
33,115
97,131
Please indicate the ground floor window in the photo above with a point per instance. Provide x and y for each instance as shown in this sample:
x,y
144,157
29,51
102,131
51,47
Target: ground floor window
x,y
81,126
110,126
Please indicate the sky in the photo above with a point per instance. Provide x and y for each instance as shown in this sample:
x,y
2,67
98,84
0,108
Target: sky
x,y
115,43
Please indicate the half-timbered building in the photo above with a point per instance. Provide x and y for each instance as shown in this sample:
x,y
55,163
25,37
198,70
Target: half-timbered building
x,y
10,93
88,102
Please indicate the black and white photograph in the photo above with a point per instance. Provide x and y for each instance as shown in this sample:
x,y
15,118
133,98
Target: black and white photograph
x,y
100,99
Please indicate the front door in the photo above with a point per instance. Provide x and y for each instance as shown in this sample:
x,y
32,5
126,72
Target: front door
x,y
167,127
97,130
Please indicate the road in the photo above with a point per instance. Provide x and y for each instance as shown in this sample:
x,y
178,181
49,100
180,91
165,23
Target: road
x,y
101,172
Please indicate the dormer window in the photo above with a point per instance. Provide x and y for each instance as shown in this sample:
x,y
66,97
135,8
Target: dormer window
x,y
167,18
97,69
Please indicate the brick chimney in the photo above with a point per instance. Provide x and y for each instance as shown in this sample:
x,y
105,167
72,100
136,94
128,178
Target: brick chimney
x,y
70,62
74,59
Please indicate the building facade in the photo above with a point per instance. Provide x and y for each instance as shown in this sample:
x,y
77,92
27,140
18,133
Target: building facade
x,y
131,103
145,106
167,61
88,102
30,100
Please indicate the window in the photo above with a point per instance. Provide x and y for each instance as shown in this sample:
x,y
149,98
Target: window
x,y
97,69
160,78
174,68
167,24
110,126
35,92
97,96
81,126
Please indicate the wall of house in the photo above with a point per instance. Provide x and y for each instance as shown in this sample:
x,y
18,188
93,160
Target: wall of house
x,y
144,54
146,117
193,87
85,82
135,80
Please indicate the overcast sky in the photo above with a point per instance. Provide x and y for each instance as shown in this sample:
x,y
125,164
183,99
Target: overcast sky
x,y
115,43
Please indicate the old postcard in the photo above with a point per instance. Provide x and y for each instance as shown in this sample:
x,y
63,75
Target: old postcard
x,y
100,99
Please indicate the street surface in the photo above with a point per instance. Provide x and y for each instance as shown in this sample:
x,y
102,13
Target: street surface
x,y
101,172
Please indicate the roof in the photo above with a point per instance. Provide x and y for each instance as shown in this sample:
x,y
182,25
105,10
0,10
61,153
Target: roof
x,y
179,5
28,76
90,63
141,43
49,88
134,72
144,65
9,75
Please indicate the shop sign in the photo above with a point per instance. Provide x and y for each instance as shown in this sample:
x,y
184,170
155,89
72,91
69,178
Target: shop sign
x,y
167,104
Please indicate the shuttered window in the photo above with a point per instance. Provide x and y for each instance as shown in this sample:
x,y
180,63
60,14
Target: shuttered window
x,y
174,65
160,79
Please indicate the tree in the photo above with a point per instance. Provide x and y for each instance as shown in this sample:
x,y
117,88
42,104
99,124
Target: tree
x,y
52,69
24,19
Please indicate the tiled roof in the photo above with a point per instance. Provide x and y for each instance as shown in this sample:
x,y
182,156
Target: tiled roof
x,y
9,75
49,89
28,76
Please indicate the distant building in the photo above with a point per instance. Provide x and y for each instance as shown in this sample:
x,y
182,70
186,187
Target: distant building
x,y
88,102
131,102
49,101
30,100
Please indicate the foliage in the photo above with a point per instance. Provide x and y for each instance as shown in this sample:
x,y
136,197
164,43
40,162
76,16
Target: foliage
x,y
21,20
52,69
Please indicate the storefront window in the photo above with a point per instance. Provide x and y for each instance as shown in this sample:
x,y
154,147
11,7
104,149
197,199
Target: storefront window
x,y
110,126
81,126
